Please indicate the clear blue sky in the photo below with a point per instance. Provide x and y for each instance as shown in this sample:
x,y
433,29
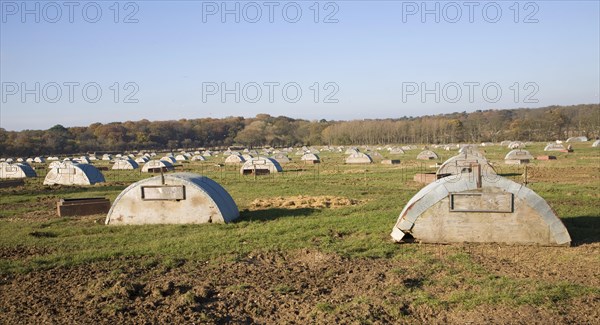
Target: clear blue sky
x,y
375,54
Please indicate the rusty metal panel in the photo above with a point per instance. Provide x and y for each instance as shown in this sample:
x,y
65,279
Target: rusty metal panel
x,y
163,192
482,202
12,183
82,207
67,171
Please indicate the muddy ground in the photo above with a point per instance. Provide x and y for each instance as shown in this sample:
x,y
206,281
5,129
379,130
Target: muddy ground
x,y
297,287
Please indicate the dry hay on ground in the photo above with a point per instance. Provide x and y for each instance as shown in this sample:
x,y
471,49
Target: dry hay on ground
x,y
342,170
298,202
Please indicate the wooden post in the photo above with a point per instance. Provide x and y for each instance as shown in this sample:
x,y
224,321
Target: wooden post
x,y
478,175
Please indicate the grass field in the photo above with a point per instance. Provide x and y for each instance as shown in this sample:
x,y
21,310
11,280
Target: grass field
x,y
309,264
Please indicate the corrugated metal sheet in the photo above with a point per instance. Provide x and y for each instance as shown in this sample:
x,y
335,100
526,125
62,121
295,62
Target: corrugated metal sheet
x,y
205,201
435,192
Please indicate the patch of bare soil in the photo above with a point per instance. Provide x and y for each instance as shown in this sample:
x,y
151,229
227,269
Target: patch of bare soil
x,y
271,288
298,202
20,252
43,208
573,175
577,265
549,263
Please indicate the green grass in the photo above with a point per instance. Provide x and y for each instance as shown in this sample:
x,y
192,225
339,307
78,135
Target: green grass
x,y
353,232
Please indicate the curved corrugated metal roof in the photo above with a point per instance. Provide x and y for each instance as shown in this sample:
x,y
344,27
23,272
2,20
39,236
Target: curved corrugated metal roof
x,y
434,192
224,203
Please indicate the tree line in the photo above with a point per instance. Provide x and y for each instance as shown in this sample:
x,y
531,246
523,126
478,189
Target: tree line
x,y
539,124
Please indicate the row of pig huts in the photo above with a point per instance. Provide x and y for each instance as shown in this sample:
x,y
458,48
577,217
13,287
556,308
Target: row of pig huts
x,y
248,163
469,202
466,202
272,153
261,164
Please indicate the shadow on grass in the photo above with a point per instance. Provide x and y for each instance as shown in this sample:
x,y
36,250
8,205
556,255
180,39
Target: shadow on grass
x,y
274,213
297,170
583,229
510,174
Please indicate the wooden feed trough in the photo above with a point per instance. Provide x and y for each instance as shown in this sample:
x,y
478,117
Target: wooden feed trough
x,y
12,183
82,207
